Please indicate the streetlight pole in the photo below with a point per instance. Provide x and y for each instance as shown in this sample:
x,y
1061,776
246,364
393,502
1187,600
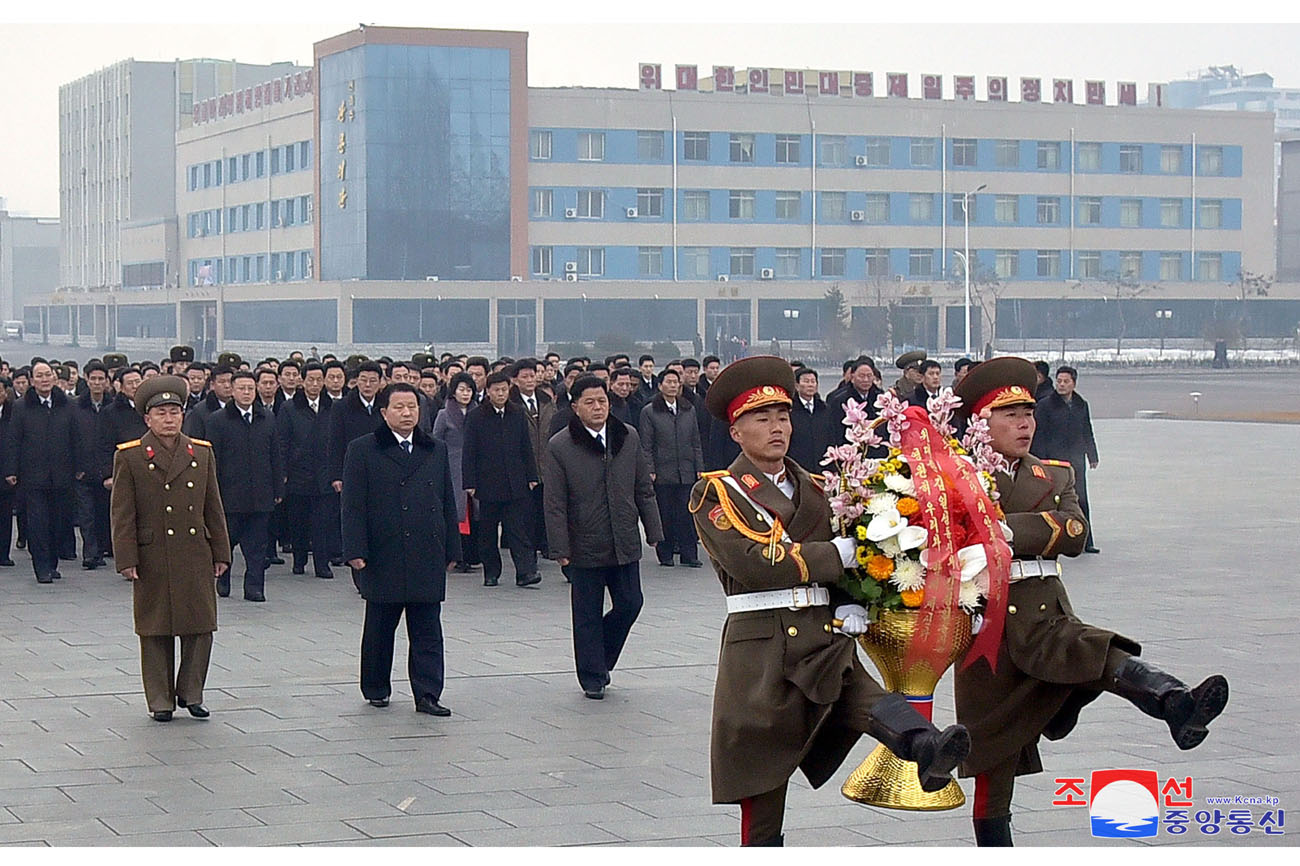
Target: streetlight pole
x,y
965,213
791,316
1164,316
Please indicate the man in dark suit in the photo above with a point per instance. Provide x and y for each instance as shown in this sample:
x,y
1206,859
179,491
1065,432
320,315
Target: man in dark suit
x,y
92,496
251,476
41,453
7,490
218,397
303,430
196,375
1065,433
354,416
862,388
400,533
810,429
120,422
499,470
931,383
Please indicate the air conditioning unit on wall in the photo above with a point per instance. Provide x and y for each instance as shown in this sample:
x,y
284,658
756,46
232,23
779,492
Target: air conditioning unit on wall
x,y
570,278
766,273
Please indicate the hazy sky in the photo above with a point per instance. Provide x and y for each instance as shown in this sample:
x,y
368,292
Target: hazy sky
x,y
599,44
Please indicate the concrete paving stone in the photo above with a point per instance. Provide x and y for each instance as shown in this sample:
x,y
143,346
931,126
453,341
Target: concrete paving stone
x,y
164,822
358,807
484,784
431,840
550,836
44,813
166,839
440,822
646,829
81,831
535,816
287,834
431,802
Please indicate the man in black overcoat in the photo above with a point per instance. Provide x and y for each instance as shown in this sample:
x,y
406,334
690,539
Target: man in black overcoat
x,y
400,533
303,430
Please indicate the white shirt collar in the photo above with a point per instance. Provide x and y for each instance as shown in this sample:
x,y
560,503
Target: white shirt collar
x,y
402,440
785,484
596,434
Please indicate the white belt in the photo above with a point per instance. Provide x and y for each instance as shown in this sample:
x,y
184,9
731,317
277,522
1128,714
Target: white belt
x,y
794,598
1023,568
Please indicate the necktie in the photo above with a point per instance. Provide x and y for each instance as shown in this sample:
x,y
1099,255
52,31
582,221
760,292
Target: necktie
x,y
407,445
600,437
313,407
369,406
809,407
532,406
248,418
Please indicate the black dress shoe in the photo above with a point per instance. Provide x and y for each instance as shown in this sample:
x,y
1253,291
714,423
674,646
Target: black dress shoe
x,y
668,564
528,579
254,596
379,702
21,544
162,716
596,694
274,560
1092,550
198,711
99,562
299,569
89,565
55,574
432,707
463,568
44,578
329,575
7,562
490,581
694,563
71,557
336,562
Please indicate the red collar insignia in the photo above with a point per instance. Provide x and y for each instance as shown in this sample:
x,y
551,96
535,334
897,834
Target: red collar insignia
x,y
148,451
749,481
1039,472
190,447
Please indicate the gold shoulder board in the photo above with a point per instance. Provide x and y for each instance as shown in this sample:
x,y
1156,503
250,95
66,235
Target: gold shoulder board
x,y
125,445
202,442
1062,463
718,474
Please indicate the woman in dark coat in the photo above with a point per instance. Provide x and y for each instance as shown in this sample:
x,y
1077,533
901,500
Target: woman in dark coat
x,y
449,428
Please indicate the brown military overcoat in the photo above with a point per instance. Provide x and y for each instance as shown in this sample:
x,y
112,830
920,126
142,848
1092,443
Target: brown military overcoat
x,y
168,523
1046,652
781,671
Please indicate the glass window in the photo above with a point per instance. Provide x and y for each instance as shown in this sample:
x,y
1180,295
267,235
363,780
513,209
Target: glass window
x,y
789,262
1171,159
194,177
1049,154
539,144
277,218
788,204
963,151
1130,264
1089,210
542,261
288,158
207,175
1049,263
290,211
591,261
246,166
305,208
695,145
834,207
275,160
591,146
1171,266
591,204
877,151
304,154
261,163
650,261
1209,266
695,204
1089,263
787,149
1089,156
959,207
650,202
740,204
923,152
742,261
1006,263
832,261
1006,153
1209,162
1049,210
217,166
1171,213
877,262
742,147
543,202
232,224
1130,212
920,263
877,210
649,145
1211,215
920,207
694,263
834,150
1006,209
1130,158
232,169
259,210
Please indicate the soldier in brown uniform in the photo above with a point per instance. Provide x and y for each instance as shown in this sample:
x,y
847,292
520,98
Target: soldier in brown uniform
x,y
169,537
791,693
1050,664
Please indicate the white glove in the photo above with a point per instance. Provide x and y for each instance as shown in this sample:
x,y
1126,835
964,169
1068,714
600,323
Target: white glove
x,y
848,549
853,617
972,560
1006,532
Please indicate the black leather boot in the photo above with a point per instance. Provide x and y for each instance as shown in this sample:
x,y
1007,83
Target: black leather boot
x,y
774,842
1156,693
993,832
908,734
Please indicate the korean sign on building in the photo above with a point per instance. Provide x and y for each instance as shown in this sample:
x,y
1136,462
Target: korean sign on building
x,y
294,86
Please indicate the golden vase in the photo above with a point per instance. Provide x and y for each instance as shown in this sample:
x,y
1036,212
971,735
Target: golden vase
x,y
884,779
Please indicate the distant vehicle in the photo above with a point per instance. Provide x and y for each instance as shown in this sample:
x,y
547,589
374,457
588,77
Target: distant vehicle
x,y
13,330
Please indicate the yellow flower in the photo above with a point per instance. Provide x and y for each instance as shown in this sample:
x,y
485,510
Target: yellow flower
x,y
879,567
863,555
861,533
913,597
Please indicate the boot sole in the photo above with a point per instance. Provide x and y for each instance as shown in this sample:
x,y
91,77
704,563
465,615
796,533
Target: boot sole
x,y
953,749
1210,698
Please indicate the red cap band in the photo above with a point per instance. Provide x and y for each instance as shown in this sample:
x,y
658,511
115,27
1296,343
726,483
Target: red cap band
x,y
754,398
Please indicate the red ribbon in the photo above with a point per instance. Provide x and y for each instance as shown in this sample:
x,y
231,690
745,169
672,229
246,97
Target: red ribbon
x,y
953,501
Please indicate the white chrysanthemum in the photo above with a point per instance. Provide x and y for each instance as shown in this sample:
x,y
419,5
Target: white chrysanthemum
x,y
882,502
908,575
900,485
890,547
969,597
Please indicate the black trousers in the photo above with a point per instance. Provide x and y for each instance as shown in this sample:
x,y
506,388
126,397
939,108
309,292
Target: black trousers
x,y
424,663
92,543
539,520
598,640
47,523
248,532
6,519
276,530
335,527
308,524
679,528
515,517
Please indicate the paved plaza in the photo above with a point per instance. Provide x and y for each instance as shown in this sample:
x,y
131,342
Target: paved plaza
x,y
1196,521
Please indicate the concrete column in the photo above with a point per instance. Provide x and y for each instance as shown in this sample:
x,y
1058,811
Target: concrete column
x,y
700,321
539,327
344,318
943,326
753,324
492,325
